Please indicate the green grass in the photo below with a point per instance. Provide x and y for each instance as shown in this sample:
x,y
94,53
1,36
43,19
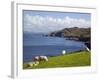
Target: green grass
x,y
82,58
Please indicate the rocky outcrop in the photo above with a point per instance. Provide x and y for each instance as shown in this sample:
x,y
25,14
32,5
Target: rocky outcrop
x,y
75,33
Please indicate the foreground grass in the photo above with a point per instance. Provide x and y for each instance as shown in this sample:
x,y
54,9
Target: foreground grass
x,y
81,58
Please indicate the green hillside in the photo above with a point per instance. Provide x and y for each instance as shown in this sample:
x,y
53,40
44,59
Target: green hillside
x,y
75,59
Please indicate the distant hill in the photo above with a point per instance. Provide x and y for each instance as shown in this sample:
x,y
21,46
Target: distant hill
x,y
75,33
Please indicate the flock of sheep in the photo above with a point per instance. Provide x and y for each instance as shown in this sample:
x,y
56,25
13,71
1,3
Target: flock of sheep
x,y
37,59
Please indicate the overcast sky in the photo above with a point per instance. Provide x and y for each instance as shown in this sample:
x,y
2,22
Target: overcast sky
x,y
45,22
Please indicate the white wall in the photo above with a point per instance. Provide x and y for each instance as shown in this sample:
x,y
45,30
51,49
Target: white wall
x,y
5,38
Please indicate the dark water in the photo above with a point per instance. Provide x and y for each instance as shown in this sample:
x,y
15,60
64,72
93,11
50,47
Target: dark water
x,y
37,44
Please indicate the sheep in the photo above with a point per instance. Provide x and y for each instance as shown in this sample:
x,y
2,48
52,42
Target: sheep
x,y
44,58
36,63
37,59
31,64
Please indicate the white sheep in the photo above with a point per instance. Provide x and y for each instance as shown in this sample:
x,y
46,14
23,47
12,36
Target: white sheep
x,y
40,58
44,58
36,63
31,64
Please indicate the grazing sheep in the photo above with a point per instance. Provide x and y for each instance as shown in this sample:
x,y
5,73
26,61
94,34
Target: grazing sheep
x,y
36,63
36,58
44,58
40,58
30,64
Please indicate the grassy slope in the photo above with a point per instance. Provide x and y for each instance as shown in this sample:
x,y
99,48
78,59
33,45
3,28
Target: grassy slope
x,y
69,60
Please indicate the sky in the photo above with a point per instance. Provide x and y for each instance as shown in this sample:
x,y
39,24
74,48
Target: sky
x,y
47,21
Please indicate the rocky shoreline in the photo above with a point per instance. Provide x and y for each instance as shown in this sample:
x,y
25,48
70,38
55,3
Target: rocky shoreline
x,y
75,33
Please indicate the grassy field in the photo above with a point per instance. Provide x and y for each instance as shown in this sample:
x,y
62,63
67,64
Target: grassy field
x,y
82,58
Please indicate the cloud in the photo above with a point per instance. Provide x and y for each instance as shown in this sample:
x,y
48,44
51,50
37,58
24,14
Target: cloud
x,y
40,24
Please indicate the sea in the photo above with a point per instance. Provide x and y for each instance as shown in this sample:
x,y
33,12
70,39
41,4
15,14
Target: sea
x,y
41,45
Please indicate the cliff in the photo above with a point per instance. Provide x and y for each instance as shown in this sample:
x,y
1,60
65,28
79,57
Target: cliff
x,y
75,33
